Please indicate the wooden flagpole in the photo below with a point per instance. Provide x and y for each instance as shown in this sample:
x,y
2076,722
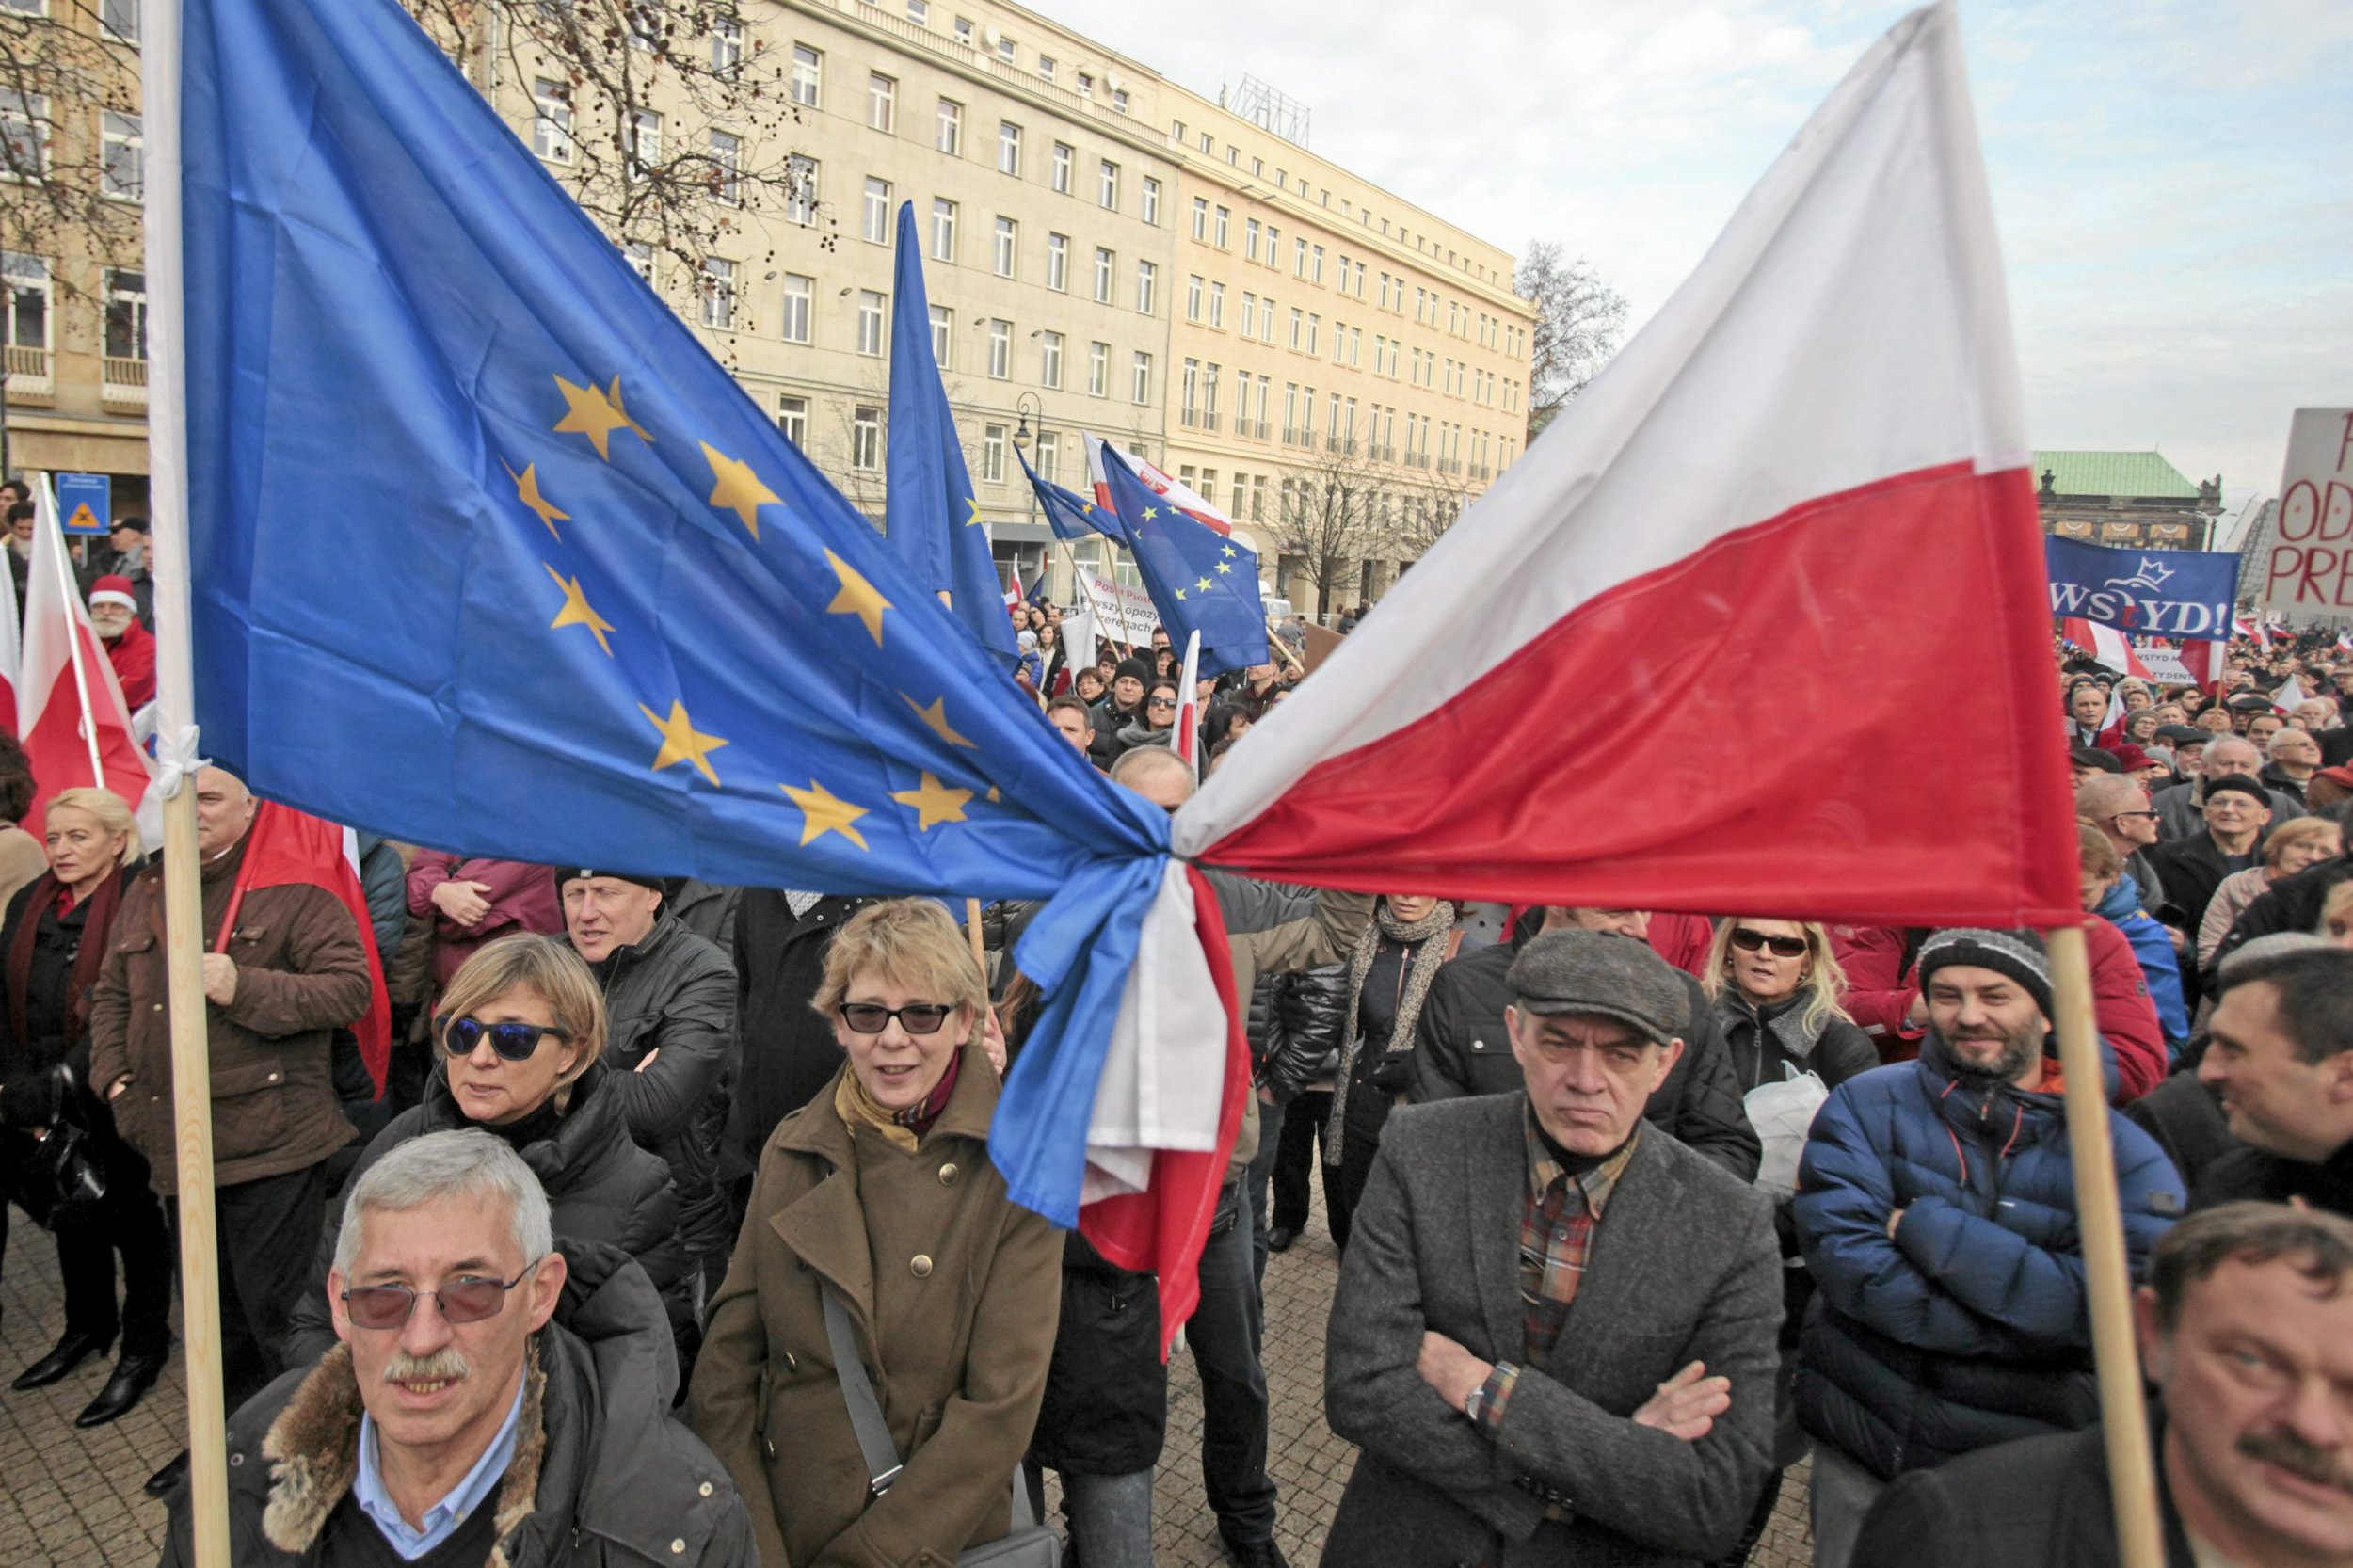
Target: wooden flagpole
x,y
183,899
2099,1222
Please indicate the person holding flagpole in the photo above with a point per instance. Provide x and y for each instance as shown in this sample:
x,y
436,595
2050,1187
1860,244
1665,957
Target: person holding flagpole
x,y
284,967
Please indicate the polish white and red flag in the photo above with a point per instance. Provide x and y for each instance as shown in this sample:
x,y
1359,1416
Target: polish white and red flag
x,y
1183,496
12,651
1690,653
2105,643
74,724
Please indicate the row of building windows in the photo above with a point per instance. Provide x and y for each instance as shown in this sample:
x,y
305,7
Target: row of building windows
x,y
1339,431
1298,186
28,308
864,431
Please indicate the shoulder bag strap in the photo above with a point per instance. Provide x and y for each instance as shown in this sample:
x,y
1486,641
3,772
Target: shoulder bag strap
x,y
866,1416
857,1392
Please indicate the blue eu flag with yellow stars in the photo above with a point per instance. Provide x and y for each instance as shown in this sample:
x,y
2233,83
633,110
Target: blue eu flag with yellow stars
x,y
933,515
489,554
1070,515
1199,579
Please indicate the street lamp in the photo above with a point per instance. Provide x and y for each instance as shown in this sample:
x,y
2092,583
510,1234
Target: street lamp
x,y
1023,406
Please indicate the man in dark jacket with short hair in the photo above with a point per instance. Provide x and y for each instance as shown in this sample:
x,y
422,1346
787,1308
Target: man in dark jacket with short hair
x,y
2280,1058
1461,1047
789,1052
669,1000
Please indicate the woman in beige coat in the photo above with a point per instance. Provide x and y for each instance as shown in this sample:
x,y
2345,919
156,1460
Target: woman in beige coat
x,y
881,1190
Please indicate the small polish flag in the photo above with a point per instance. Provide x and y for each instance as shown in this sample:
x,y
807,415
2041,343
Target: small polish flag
x,y
72,719
1187,499
1188,735
2107,645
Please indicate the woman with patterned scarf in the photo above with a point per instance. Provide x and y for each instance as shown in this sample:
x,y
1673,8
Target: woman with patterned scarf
x,y
1388,978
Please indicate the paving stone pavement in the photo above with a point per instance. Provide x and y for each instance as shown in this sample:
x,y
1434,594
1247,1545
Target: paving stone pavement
x,y
72,1499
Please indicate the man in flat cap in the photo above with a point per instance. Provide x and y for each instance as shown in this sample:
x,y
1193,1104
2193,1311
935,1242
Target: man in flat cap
x,y
669,999
1554,1333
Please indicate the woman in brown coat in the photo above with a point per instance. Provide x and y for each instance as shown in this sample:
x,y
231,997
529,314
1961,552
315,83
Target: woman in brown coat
x,y
881,1191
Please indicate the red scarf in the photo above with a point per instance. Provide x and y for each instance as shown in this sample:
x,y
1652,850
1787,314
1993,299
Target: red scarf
x,y
97,925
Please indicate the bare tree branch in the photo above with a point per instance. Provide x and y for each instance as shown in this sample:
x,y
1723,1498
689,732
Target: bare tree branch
x,y
1578,320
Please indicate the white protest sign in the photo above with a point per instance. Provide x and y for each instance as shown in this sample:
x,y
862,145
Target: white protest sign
x,y
2165,666
2309,567
1127,614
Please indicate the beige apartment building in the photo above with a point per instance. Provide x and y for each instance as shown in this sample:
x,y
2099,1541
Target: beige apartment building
x,y
1104,251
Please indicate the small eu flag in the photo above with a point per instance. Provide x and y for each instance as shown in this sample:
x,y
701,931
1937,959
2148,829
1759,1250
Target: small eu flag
x,y
1200,580
1073,516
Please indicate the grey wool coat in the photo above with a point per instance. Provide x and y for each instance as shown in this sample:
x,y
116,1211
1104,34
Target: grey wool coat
x,y
1682,1267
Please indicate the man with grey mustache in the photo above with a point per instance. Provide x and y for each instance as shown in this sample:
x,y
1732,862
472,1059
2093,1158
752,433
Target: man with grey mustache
x,y
2247,1329
495,1397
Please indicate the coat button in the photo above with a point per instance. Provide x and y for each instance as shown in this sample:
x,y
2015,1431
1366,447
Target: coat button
x,y
791,1363
677,1546
705,1489
159,1007
920,1265
947,1174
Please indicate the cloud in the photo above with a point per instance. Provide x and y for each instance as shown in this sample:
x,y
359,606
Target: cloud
x,y
2171,179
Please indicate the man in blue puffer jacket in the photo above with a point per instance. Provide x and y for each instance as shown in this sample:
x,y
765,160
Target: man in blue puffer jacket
x,y
1936,1208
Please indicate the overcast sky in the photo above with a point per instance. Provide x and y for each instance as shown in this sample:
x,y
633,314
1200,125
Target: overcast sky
x,y
2174,179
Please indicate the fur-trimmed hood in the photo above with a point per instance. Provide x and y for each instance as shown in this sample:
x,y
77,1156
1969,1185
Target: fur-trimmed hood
x,y
314,1452
602,1476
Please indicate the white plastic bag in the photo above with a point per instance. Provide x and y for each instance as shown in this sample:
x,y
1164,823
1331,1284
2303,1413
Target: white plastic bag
x,y
1782,1114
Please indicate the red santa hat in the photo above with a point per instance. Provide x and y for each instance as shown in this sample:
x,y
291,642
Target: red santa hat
x,y
112,589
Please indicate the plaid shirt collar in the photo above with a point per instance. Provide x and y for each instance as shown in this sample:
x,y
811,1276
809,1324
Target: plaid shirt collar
x,y
1545,1172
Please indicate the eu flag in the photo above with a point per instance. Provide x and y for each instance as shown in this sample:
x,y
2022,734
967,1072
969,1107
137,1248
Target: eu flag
x,y
1073,516
1200,580
489,554
933,512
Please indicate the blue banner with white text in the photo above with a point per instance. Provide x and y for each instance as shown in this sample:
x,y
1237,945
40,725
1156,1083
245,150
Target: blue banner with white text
x,y
2146,593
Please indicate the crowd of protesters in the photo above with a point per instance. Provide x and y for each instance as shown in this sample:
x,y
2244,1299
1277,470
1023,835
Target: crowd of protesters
x,y
671,1233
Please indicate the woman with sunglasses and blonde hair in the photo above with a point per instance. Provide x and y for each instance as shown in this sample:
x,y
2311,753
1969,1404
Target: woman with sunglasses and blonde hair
x,y
520,1031
1775,985
879,1351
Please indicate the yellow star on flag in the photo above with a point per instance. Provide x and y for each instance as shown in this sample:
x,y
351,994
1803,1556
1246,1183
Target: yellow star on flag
x,y
1152,512
934,804
1223,567
577,613
1230,551
591,413
734,488
858,598
822,812
973,501
682,742
612,395
1181,593
1204,585
937,716
527,491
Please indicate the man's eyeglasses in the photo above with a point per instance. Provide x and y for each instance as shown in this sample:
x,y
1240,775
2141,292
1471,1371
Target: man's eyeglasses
x,y
916,1017
1756,941
514,1042
462,1301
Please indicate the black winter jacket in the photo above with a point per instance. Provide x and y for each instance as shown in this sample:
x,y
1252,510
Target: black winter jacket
x,y
1303,1044
602,1189
1761,1045
2249,1172
675,993
1106,1406
2041,1500
601,1477
789,1052
1461,1048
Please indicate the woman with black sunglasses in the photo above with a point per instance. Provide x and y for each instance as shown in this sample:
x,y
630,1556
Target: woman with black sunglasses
x,y
517,1036
1776,987
879,1237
